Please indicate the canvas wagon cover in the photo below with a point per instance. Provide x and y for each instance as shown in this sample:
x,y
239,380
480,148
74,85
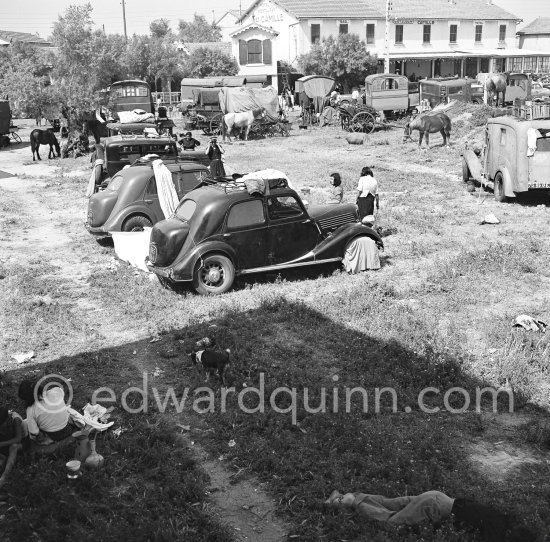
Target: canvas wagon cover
x,y
205,96
315,86
240,99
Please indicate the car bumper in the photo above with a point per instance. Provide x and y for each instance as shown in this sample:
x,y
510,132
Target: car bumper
x,y
98,230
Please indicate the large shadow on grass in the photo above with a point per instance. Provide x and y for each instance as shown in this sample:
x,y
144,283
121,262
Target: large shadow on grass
x,y
151,486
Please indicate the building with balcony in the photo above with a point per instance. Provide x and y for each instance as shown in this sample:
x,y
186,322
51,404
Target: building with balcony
x,y
426,38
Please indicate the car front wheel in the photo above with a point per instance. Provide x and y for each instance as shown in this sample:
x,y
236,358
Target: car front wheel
x,y
137,223
214,276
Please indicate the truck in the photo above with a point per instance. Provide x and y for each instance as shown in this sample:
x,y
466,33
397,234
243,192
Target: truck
x,y
514,159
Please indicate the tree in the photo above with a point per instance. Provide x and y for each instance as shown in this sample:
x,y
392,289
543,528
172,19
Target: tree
x,y
199,30
160,28
345,58
73,62
205,62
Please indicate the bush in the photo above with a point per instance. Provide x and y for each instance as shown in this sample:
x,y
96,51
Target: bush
x,y
481,114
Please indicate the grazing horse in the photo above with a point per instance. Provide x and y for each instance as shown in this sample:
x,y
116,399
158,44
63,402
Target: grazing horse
x,y
44,137
241,120
496,84
430,124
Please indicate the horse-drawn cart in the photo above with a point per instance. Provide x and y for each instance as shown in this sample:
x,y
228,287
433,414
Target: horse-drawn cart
x,y
205,113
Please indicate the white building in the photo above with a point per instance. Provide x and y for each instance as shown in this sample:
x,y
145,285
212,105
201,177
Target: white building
x,y
536,36
426,37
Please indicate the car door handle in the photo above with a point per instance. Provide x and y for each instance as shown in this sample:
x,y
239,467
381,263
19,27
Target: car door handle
x,y
306,221
227,235
148,200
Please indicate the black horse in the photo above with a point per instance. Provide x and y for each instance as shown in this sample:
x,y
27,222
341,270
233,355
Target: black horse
x,y
44,137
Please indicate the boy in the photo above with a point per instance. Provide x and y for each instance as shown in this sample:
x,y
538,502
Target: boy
x,y
13,438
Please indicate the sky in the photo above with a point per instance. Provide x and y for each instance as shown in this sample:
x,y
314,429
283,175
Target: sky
x,y
38,16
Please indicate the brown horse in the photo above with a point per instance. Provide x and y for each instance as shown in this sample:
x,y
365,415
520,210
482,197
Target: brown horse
x,y
496,84
44,137
430,124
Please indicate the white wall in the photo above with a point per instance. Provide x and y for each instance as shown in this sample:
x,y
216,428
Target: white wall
x,y
535,43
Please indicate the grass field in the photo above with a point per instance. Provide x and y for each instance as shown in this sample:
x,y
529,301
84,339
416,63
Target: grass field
x,y
438,314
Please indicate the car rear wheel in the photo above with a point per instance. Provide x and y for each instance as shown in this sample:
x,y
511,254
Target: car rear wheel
x,y
498,188
137,223
214,275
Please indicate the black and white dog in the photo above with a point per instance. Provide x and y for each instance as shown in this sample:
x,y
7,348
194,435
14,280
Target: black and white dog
x,y
212,361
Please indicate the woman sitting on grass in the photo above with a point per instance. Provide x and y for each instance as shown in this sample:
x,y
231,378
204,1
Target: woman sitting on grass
x,y
48,417
13,438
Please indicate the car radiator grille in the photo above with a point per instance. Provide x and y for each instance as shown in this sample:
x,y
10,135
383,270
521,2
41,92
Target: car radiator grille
x,y
333,222
153,253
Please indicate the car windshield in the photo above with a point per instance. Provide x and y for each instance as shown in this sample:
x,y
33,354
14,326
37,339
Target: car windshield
x,y
186,209
115,183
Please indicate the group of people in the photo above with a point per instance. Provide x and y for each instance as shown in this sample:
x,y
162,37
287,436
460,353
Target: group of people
x,y
213,150
47,421
367,194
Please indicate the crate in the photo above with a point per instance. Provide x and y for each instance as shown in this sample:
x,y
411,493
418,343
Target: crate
x,y
531,110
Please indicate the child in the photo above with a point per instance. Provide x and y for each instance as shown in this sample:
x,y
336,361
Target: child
x,y
13,438
188,142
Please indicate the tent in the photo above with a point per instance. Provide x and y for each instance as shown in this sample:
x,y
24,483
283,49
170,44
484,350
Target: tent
x,y
240,99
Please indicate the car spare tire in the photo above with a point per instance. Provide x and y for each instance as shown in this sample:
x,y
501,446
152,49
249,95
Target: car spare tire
x,y
137,223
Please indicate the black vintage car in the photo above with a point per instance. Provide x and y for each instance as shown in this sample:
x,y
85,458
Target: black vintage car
x,y
120,151
130,202
219,231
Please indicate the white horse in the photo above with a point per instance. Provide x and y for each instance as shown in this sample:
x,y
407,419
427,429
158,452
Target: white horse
x,y
241,120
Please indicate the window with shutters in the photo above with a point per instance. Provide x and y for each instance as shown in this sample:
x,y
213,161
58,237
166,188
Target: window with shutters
x,y
370,34
255,52
315,33
502,32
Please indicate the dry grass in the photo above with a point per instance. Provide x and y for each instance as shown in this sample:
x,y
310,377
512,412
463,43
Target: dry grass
x,y
438,313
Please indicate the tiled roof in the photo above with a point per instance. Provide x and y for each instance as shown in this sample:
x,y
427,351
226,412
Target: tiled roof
x,y
223,46
444,9
8,35
349,9
376,9
541,25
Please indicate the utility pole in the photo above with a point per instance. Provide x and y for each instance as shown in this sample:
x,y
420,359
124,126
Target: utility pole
x,y
124,19
386,37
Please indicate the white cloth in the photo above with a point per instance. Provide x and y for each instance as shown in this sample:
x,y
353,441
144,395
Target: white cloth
x,y
91,416
91,183
266,174
355,95
361,254
168,197
532,135
49,414
132,117
367,185
132,246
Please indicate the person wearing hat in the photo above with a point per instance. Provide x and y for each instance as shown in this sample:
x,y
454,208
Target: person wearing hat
x,y
188,142
215,153
13,437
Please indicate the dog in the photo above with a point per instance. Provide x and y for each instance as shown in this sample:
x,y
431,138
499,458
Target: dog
x,y
212,361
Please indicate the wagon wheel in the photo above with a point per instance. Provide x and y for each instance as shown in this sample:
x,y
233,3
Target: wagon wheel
x,y
216,124
362,122
16,138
